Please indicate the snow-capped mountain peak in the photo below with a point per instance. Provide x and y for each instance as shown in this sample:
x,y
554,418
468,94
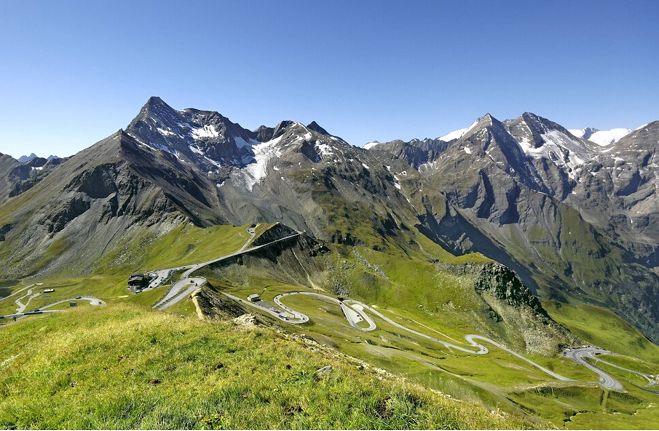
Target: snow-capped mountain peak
x,y
456,134
602,138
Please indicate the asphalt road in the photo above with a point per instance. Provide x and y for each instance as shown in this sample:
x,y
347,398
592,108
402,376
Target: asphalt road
x,y
355,313
579,356
649,377
21,307
159,278
21,290
186,285
42,310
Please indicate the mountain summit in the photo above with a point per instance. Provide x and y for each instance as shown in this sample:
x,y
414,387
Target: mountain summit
x,y
572,218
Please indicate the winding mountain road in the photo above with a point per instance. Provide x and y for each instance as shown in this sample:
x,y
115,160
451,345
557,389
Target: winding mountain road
x,y
94,301
355,313
649,377
579,356
186,285
29,296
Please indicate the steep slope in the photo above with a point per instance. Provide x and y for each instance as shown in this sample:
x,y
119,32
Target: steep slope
x,y
517,192
7,164
17,177
525,192
618,193
68,220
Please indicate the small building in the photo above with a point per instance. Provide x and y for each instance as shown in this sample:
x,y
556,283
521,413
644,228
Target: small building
x,y
73,304
49,291
254,297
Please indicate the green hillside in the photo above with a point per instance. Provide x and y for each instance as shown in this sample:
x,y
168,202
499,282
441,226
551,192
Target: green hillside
x,y
125,367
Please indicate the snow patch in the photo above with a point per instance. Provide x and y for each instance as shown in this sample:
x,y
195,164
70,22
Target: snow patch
x,y
366,166
241,143
178,156
456,134
205,132
470,128
560,148
371,145
166,132
196,150
397,182
255,172
324,149
602,138
161,147
579,133
467,150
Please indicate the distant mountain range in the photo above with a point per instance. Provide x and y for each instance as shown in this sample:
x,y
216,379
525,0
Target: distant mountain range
x,y
574,212
25,159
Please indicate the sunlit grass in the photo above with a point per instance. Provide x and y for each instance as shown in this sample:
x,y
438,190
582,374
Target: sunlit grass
x,y
126,367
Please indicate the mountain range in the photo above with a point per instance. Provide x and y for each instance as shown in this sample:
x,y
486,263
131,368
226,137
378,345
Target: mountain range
x,y
572,212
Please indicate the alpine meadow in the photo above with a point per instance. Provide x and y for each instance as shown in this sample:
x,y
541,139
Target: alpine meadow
x,y
189,272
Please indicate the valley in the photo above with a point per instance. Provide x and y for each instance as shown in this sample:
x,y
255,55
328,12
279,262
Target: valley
x,y
475,266
426,350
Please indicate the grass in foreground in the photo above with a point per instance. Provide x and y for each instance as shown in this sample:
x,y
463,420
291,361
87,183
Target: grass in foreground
x,y
126,367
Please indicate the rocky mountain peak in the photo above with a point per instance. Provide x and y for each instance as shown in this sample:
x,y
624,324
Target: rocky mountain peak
x,y
317,128
203,137
264,133
487,120
281,128
484,122
156,102
584,133
541,138
156,108
24,159
531,128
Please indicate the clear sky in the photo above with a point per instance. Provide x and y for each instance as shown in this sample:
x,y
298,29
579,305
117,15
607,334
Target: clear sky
x,y
73,72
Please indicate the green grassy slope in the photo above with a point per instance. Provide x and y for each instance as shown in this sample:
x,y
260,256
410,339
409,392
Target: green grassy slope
x,y
183,245
603,328
125,367
420,285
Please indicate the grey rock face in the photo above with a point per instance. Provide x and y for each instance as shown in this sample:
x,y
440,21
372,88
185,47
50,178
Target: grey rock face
x,y
573,219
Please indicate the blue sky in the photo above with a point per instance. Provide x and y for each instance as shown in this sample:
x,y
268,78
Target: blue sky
x,y
73,72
